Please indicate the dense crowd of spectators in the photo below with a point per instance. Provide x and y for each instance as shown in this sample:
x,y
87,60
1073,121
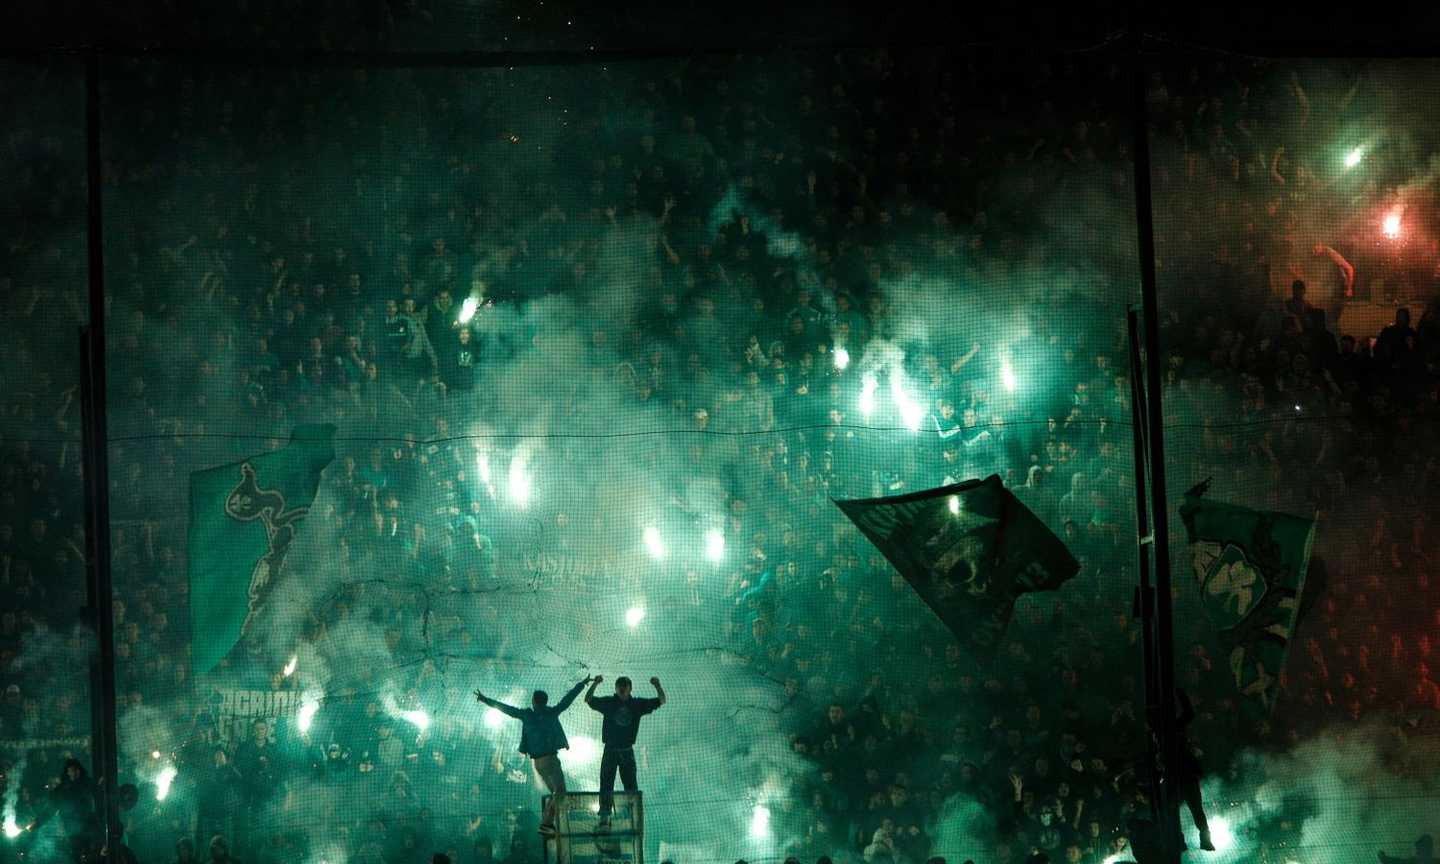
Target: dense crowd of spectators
x,y
263,275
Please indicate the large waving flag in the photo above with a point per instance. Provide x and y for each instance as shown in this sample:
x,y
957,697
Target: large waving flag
x,y
1250,568
969,550
243,518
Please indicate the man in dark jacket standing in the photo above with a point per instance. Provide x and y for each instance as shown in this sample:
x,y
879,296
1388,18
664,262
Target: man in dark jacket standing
x,y
542,738
74,800
622,714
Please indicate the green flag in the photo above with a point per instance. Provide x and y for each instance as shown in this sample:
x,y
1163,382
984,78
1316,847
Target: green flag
x,y
1250,568
243,518
969,550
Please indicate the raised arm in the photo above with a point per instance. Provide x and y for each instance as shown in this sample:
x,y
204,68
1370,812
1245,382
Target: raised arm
x,y
570,697
969,355
982,435
756,588
590,694
497,705
1346,267
659,691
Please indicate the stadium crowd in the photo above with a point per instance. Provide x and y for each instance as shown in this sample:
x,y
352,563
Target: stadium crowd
x,y
253,290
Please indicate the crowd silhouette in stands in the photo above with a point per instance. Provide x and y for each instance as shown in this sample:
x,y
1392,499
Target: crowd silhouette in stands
x,y
885,167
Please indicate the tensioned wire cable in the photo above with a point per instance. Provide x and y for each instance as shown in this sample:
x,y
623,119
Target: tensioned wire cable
x,y
1305,419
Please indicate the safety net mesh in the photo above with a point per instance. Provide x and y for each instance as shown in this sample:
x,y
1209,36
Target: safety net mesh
x,y
436,381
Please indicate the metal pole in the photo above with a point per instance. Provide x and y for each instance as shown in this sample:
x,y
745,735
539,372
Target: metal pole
x,y
1144,593
1155,435
97,478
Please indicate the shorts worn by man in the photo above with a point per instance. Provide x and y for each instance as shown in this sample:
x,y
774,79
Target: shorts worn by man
x,y
622,714
542,738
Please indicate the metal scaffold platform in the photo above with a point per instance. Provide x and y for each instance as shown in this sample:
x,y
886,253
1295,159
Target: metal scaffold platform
x,y
579,840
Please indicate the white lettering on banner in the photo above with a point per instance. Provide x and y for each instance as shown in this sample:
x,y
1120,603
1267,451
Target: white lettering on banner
x,y
239,709
883,520
567,566
43,743
258,703
1034,577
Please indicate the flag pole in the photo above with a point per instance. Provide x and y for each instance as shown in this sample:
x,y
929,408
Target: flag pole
x,y
104,740
1154,429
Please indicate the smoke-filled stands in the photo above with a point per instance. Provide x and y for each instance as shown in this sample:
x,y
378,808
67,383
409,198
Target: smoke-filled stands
x,y
678,252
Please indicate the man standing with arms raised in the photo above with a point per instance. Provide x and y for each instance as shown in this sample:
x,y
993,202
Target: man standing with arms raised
x,y
542,738
622,713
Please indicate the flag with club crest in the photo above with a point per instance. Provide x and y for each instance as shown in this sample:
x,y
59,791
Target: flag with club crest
x,y
969,550
1249,567
243,519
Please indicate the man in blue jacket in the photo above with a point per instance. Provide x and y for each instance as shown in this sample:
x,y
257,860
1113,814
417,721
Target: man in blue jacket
x,y
542,739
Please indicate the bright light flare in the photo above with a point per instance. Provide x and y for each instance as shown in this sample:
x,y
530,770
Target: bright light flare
x,y
1391,225
842,358
1221,834
418,718
154,754
1118,857
583,750
910,411
309,705
518,482
163,781
467,309
760,822
954,504
1007,376
482,462
868,385
494,718
12,830
290,667
653,542
715,544
1354,156
633,616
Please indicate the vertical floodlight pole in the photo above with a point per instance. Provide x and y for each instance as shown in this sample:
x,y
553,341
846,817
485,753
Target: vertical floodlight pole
x,y
1164,722
97,480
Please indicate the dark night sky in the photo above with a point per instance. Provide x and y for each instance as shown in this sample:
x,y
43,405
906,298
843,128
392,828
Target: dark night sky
x,y
249,26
